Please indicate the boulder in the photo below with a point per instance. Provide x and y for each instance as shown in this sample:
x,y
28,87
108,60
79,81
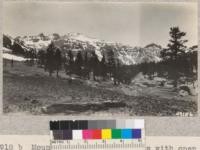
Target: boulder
x,y
183,93
184,90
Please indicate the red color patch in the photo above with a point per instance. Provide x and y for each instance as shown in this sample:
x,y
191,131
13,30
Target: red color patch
x,y
96,134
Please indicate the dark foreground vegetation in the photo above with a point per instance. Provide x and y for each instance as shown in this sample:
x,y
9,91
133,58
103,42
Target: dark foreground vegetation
x,y
28,91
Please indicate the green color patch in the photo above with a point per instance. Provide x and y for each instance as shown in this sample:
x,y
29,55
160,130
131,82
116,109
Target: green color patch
x,y
116,133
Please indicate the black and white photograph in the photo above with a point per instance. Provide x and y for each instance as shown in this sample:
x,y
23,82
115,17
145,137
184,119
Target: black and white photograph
x,y
100,58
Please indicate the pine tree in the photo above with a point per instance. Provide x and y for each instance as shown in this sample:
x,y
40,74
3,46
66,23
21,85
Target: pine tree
x,y
103,67
58,60
69,66
193,57
71,58
117,72
41,58
86,59
79,64
94,64
176,44
174,53
50,63
86,69
111,62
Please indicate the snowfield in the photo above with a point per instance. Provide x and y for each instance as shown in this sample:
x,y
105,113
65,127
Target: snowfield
x,y
91,41
83,38
37,45
7,54
13,57
6,50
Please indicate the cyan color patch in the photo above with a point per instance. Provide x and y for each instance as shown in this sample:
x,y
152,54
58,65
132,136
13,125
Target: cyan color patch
x,y
126,134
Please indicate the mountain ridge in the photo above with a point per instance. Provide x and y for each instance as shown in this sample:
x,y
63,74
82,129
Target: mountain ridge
x,y
126,54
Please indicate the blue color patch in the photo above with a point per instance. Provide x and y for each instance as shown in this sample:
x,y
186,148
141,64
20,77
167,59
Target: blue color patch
x,y
136,134
126,134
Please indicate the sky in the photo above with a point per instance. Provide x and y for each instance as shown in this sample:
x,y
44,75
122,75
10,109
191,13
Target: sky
x,y
135,24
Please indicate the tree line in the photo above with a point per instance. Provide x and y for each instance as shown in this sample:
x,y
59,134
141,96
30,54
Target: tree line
x,y
177,62
84,64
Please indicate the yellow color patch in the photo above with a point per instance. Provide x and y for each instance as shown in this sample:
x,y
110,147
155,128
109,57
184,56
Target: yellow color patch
x,y
106,133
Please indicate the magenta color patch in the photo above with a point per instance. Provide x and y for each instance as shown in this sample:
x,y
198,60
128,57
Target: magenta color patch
x,y
87,134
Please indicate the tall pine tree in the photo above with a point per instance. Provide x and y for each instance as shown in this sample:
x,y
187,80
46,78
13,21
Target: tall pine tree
x,y
79,64
176,44
50,61
103,67
174,53
69,65
86,70
58,60
94,64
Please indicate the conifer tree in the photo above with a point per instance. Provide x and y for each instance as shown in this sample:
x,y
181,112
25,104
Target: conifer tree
x,y
41,58
94,64
86,66
50,63
69,66
176,44
174,53
58,60
79,64
103,67
111,62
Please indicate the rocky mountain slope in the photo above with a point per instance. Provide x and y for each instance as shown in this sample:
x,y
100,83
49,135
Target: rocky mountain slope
x,y
126,54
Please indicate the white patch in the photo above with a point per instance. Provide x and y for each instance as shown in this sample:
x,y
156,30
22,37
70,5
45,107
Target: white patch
x,y
37,45
13,57
6,50
139,123
77,134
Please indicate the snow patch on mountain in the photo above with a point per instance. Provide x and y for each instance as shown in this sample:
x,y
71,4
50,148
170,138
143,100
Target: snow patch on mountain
x,y
38,45
126,59
7,54
6,50
13,57
85,41
83,38
79,42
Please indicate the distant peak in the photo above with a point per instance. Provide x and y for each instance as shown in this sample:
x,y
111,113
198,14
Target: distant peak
x,y
153,45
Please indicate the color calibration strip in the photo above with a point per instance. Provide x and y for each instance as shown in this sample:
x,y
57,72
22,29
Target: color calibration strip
x,y
96,129
97,134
